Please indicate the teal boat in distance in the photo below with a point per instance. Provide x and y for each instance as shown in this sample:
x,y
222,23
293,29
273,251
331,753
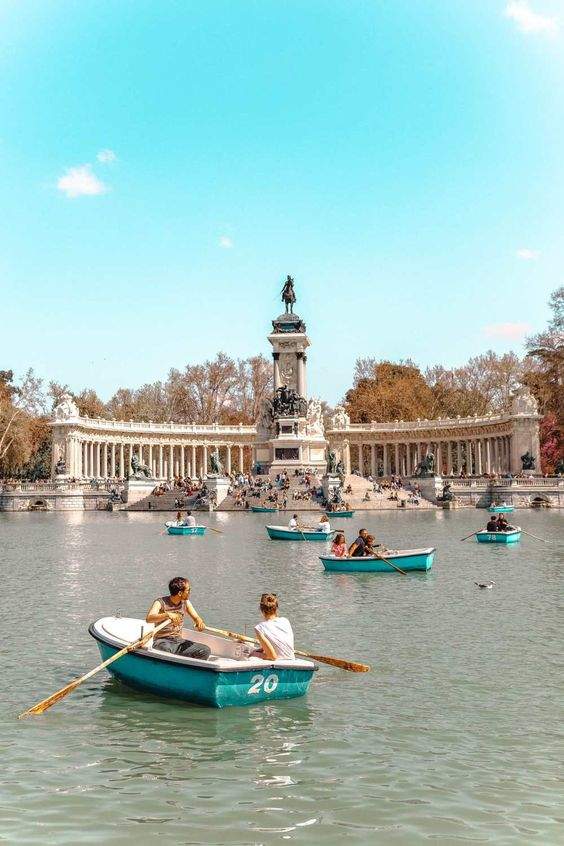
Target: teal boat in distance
x,y
405,559
499,537
340,513
228,677
179,529
263,509
501,509
284,533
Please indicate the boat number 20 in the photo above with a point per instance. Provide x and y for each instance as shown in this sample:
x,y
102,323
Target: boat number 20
x,y
268,684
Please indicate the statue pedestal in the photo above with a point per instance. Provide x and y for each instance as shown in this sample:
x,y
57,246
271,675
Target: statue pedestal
x,y
218,485
135,490
431,487
330,483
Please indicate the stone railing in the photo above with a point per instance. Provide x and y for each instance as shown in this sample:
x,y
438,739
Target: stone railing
x,y
415,425
99,423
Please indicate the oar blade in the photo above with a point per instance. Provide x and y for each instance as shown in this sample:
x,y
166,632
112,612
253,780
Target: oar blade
x,y
42,706
351,666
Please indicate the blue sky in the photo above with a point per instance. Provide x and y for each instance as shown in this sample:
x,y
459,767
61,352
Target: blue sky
x,y
163,166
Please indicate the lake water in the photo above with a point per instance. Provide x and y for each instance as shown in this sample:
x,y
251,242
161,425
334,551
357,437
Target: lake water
x,y
453,737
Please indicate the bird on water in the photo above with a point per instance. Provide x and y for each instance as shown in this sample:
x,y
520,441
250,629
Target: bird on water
x,y
488,585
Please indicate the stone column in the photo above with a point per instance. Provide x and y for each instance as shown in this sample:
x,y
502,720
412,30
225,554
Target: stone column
x,y
300,374
469,467
241,463
161,468
105,460
121,461
396,459
151,467
182,462
385,460
458,457
228,461
170,461
494,454
373,467
112,460
176,462
276,369
478,445
439,458
205,460
418,452
194,467
347,457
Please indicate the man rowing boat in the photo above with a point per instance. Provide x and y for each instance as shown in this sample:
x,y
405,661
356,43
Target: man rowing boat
x,y
174,608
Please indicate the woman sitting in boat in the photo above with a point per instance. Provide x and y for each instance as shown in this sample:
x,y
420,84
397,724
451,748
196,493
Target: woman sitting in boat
x,y
324,525
174,608
275,633
339,546
503,525
293,523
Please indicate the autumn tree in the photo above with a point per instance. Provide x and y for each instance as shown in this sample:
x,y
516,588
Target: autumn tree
x,y
545,379
385,391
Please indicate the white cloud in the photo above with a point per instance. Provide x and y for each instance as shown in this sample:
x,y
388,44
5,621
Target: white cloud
x,y
527,255
106,156
225,242
507,331
528,21
80,181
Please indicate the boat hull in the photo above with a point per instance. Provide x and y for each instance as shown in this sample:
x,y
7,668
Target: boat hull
x,y
408,560
281,533
259,509
340,513
186,530
501,509
498,537
192,681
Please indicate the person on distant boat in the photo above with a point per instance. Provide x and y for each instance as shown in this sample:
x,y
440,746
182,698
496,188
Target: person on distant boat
x,y
492,524
339,546
189,520
174,608
357,547
324,525
275,633
293,523
178,518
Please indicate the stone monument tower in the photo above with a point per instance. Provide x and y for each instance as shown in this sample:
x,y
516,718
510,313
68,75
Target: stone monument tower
x,y
290,431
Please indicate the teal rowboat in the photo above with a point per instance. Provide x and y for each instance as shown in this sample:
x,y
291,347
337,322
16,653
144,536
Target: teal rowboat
x,y
499,537
339,513
501,509
405,559
228,677
262,509
284,533
179,529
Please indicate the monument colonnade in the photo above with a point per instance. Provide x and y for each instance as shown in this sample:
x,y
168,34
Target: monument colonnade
x,y
99,449
473,445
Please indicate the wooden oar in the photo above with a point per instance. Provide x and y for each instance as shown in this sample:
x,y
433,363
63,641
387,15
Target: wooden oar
x,y
60,694
472,535
352,666
534,536
219,532
385,560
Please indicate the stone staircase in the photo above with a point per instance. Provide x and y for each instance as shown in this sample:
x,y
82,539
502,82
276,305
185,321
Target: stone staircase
x,y
165,502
